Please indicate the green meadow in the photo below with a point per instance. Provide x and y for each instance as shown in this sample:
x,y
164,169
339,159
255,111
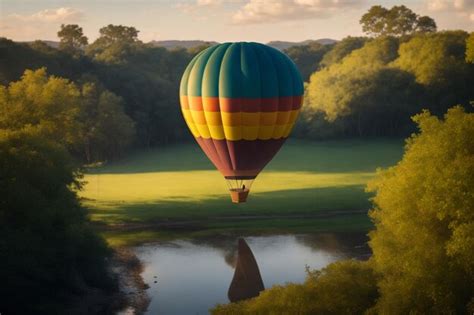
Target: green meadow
x,y
308,186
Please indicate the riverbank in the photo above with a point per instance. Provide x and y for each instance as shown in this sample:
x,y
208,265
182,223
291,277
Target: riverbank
x,y
132,234
128,268
192,275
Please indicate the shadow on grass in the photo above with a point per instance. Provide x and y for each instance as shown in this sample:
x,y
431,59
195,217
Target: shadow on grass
x,y
284,204
296,155
350,223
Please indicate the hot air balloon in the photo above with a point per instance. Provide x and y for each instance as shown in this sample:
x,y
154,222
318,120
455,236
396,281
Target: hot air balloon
x,y
240,102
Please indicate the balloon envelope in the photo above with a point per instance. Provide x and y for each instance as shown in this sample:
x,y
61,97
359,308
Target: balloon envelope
x,y
240,101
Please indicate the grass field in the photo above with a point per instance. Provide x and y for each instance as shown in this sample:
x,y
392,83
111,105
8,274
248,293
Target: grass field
x,y
305,184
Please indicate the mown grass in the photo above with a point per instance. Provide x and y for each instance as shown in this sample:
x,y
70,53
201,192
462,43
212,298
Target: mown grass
x,y
178,183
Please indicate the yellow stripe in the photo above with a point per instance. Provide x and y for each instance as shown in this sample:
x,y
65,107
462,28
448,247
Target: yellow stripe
x,y
231,119
268,118
265,132
213,118
261,125
250,119
217,132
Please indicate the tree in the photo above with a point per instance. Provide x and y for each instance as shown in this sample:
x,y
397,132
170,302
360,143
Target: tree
x,y
342,49
89,121
106,129
397,21
307,57
423,242
363,93
425,24
51,257
470,48
115,44
118,33
21,56
438,62
149,85
49,104
346,287
72,39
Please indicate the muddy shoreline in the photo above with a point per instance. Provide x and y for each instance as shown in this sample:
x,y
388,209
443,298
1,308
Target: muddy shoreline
x,y
128,268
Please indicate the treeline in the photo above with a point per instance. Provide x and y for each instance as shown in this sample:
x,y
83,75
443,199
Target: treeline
x,y
124,92
366,87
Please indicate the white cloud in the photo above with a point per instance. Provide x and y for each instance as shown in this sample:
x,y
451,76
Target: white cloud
x,y
462,7
69,15
43,24
269,11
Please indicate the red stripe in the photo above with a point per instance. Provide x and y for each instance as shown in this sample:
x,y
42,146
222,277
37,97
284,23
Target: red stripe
x,y
248,105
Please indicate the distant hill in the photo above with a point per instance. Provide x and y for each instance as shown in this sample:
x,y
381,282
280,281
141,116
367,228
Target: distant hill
x,y
173,44
50,43
281,45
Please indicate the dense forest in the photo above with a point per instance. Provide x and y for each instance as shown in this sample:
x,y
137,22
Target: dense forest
x,y
81,103
125,92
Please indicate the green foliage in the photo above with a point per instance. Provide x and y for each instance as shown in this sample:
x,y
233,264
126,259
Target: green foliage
x,y
49,253
362,94
106,130
375,89
423,245
470,48
346,287
21,56
397,21
115,44
434,59
49,104
89,121
341,49
149,86
323,90
307,57
425,24
72,39
438,63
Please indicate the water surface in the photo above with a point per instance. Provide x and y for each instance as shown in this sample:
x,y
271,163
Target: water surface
x,y
193,275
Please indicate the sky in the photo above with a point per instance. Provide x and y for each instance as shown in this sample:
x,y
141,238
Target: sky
x,y
215,20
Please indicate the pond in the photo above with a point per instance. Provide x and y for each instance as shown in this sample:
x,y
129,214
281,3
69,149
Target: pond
x,y
191,276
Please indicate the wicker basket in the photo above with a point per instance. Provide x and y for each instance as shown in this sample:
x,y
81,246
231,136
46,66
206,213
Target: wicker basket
x,y
239,195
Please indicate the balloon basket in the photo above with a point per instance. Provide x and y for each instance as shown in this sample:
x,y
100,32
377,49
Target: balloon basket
x,y
239,195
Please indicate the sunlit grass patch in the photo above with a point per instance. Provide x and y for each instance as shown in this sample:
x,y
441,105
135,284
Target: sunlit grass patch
x,y
179,183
